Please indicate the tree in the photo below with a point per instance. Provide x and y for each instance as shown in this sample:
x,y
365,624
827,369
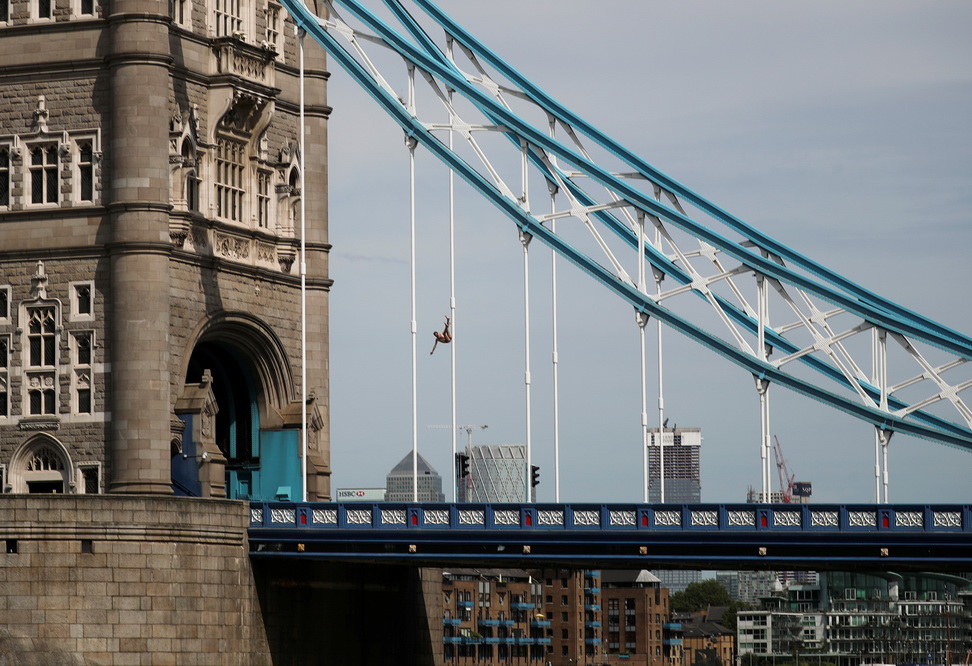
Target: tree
x,y
729,617
699,596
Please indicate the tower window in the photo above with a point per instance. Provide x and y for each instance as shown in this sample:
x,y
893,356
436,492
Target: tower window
x,y
191,187
41,397
180,11
229,17
4,302
4,11
43,174
273,26
82,372
263,199
4,152
90,479
45,9
82,349
82,393
41,337
230,172
87,6
82,299
86,170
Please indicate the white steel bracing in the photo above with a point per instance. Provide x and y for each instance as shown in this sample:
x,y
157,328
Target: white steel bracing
x,y
806,328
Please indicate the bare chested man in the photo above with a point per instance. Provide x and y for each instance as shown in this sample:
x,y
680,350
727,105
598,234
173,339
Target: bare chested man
x,y
445,337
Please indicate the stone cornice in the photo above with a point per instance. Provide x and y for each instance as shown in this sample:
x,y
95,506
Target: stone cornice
x,y
138,247
139,58
138,206
140,17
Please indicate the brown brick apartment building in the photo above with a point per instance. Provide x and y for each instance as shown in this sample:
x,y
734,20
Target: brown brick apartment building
x,y
557,617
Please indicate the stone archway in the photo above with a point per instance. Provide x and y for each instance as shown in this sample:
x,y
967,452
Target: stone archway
x,y
41,465
250,442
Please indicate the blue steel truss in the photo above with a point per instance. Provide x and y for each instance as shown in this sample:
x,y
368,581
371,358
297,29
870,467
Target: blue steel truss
x,y
831,329
780,536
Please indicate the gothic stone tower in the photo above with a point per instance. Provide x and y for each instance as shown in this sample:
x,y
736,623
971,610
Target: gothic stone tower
x,y
150,205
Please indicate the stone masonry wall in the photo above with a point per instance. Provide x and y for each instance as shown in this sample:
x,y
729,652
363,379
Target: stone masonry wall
x,y
102,579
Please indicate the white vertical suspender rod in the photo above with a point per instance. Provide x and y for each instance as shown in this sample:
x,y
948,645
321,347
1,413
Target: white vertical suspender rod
x,y
555,355
762,387
642,321
661,384
525,241
411,143
452,303
303,282
876,378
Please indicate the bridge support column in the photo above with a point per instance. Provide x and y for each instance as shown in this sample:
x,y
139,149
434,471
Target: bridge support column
x,y
881,440
763,384
879,362
762,388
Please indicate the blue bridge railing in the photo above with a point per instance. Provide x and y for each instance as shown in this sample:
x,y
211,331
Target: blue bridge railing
x,y
798,535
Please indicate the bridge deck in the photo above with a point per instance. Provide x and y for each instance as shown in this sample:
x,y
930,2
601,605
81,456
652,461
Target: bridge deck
x,y
702,536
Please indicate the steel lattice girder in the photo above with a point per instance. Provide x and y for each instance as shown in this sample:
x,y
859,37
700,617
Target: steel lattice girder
x,y
826,353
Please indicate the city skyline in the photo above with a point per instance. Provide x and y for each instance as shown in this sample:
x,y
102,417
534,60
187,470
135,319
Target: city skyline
x,y
801,120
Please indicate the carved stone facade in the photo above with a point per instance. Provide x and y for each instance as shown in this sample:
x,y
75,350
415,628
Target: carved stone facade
x,y
149,185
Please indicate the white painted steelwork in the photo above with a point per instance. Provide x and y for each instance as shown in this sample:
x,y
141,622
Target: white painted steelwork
x,y
818,338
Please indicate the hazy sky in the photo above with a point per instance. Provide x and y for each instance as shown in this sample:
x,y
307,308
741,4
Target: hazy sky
x,y
841,129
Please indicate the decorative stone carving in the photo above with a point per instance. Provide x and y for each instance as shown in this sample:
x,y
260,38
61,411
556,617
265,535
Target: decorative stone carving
x,y
38,283
199,401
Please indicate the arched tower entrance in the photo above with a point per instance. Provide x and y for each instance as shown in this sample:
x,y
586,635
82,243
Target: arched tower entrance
x,y
41,465
239,414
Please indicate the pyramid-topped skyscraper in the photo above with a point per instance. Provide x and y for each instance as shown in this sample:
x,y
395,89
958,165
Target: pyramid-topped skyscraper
x,y
399,482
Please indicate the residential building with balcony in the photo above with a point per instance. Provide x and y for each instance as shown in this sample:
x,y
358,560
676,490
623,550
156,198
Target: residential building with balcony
x,y
853,619
493,616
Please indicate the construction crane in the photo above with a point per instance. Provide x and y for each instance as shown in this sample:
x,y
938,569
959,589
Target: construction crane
x,y
468,428
463,478
786,476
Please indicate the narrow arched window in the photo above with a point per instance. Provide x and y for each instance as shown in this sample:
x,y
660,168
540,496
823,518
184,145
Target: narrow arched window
x,y
86,171
4,165
191,183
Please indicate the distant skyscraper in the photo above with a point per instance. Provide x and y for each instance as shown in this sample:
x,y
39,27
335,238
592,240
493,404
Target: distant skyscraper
x,y
399,482
683,448
676,580
497,473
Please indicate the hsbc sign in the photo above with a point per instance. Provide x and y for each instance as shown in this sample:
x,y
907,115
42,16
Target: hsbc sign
x,y
361,495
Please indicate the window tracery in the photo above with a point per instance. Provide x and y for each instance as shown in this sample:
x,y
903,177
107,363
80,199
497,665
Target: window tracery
x,y
41,169
40,465
43,174
184,161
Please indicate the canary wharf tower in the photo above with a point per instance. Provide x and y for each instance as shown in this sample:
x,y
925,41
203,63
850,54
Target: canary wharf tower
x,y
151,195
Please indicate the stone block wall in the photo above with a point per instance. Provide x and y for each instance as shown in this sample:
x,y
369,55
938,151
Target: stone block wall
x,y
101,579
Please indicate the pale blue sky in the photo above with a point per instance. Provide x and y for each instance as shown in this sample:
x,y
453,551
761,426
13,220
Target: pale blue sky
x,y
841,129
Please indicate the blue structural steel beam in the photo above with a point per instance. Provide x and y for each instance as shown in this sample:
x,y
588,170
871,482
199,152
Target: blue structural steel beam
x,y
908,324
817,281
565,115
703,536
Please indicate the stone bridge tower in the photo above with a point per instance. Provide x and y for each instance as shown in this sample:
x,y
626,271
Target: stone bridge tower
x,y
150,199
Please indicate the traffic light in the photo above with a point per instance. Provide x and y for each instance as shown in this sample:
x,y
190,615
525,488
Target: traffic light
x,y
534,476
462,465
